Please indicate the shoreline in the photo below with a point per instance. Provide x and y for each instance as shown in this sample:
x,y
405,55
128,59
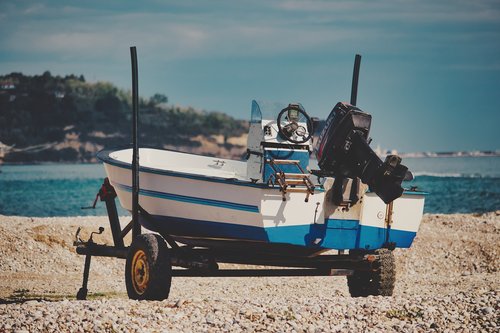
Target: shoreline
x,y
48,163
448,279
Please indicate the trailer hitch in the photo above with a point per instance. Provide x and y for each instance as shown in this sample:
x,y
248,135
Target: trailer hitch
x,y
78,241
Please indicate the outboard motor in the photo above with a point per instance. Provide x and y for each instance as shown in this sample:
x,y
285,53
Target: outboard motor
x,y
342,151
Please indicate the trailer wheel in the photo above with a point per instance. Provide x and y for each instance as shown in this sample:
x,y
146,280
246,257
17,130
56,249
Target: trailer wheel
x,y
148,270
376,283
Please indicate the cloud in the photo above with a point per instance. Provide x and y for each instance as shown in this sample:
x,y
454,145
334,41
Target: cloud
x,y
475,67
398,10
169,36
34,9
170,31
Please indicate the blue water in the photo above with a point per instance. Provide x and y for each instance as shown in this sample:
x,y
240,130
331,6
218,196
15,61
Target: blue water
x,y
457,184
51,189
465,185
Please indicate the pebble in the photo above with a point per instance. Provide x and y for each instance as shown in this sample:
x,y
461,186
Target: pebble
x,y
487,310
210,318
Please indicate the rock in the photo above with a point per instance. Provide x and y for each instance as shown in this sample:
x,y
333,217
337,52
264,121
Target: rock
x,y
487,310
316,309
210,319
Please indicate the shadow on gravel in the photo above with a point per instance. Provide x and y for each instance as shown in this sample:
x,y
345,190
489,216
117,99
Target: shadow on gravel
x,y
22,296
24,300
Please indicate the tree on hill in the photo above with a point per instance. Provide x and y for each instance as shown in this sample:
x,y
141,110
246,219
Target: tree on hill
x,y
44,108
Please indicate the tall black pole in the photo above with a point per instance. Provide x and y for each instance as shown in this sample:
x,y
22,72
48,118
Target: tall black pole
x,y
355,77
136,229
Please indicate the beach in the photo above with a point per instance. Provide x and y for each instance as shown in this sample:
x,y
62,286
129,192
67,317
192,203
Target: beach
x,y
448,281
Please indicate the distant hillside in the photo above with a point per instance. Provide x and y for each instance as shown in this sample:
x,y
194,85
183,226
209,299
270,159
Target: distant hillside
x,y
45,118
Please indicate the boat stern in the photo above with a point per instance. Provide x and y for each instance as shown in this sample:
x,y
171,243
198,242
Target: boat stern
x,y
395,224
371,224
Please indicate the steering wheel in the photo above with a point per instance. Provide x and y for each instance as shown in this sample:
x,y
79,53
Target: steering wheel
x,y
289,127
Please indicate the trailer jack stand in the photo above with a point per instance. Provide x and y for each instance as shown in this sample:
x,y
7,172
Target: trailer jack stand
x,y
82,292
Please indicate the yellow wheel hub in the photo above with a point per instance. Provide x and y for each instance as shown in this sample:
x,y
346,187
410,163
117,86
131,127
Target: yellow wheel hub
x,y
140,272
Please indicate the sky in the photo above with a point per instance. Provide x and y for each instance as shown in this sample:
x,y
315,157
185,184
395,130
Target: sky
x,y
430,70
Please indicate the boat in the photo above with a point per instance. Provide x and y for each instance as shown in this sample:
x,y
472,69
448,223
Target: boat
x,y
321,205
270,201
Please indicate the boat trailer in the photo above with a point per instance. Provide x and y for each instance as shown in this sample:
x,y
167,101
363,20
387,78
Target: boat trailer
x,y
203,262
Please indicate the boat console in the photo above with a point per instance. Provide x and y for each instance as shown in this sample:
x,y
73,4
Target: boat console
x,y
279,147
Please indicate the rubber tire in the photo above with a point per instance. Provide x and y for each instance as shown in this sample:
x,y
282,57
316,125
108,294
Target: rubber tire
x,y
160,268
375,283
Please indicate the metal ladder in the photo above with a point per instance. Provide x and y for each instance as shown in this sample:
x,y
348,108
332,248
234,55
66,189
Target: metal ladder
x,y
291,182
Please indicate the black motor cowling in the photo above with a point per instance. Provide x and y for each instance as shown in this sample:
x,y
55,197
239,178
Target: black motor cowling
x,y
343,151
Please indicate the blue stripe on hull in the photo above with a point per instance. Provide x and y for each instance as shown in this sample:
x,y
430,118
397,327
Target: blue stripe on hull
x,y
197,228
374,238
311,235
362,237
193,200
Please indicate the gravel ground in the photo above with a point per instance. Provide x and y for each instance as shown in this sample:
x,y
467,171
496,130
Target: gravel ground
x,y
448,281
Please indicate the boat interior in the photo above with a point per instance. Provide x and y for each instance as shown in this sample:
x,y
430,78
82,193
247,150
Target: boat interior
x,y
279,140
185,163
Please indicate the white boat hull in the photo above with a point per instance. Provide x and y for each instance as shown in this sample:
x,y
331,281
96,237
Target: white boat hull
x,y
201,200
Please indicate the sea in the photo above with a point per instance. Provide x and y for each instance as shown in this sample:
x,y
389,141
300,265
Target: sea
x,y
453,184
